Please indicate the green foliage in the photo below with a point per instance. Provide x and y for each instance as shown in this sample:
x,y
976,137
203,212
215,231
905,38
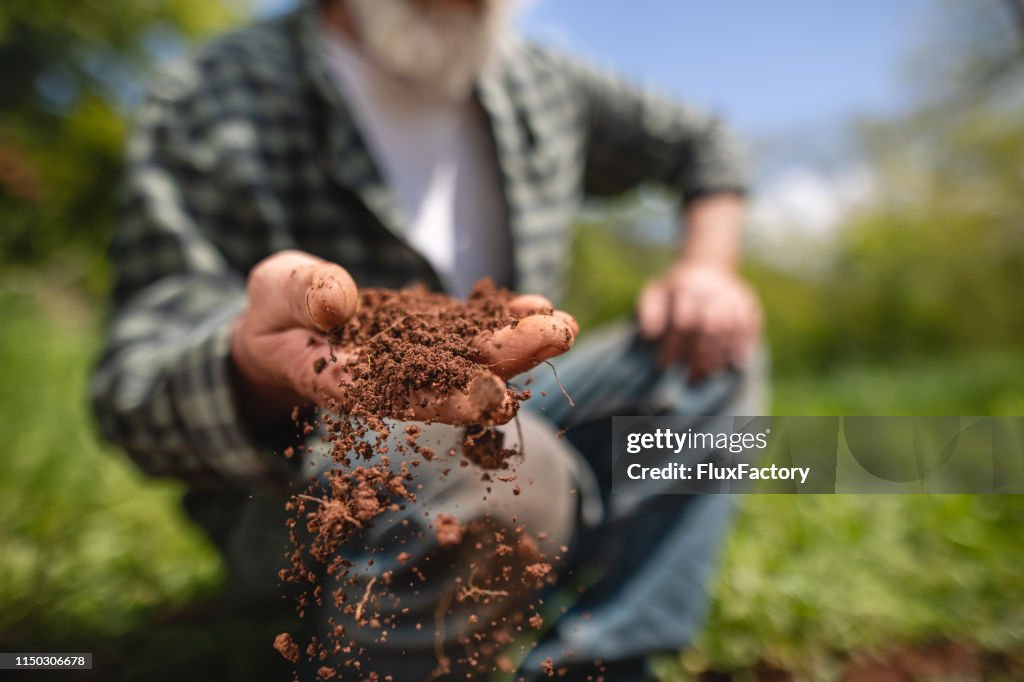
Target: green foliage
x,y
965,384
809,579
69,69
116,24
88,542
938,262
607,274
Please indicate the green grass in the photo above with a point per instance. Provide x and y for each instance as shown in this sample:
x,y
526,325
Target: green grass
x,y
90,546
808,580
86,539
977,384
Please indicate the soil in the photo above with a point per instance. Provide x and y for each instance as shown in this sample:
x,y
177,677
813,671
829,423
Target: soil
x,y
931,661
287,647
485,447
448,529
413,341
397,353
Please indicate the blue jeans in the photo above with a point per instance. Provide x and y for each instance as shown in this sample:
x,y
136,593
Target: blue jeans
x,y
656,557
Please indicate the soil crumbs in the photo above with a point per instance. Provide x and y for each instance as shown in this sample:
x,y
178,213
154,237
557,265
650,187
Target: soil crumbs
x,y
412,346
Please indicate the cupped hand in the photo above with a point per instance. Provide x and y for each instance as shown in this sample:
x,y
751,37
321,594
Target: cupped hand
x,y
295,299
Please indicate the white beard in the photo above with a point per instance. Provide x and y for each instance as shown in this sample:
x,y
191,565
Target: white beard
x,y
434,44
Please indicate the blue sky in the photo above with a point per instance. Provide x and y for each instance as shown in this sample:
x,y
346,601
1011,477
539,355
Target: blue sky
x,y
769,67
765,65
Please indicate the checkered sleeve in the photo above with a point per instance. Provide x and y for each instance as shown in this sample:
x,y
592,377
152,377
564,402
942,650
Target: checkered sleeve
x,y
163,389
636,136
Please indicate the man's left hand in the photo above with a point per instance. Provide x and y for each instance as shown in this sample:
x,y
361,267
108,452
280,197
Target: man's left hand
x,y
702,315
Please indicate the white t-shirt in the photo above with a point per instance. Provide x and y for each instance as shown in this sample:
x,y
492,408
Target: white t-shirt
x,y
437,158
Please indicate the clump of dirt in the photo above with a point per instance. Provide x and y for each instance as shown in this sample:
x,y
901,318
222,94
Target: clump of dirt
x,y
287,647
535,573
448,529
485,447
400,357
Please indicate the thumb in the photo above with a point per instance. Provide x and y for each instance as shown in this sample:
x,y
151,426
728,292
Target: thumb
x,y
296,289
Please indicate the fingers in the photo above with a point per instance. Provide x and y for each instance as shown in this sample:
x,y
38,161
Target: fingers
x,y
530,304
485,401
329,295
684,316
313,368
653,310
534,304
295,289
706,320
712,342
516,349
750,323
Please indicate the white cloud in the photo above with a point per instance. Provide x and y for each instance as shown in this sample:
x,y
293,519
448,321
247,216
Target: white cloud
x,y
810,202
801,209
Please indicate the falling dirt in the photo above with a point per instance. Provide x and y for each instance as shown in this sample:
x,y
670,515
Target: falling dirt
x,y
400,357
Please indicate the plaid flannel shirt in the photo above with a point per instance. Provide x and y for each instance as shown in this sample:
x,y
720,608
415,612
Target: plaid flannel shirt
x,y
247,148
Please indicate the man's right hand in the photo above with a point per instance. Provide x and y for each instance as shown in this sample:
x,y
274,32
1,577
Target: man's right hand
x,y
296,298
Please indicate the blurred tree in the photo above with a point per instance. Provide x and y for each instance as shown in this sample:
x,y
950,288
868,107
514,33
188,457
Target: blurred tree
x,y
70,71
937,262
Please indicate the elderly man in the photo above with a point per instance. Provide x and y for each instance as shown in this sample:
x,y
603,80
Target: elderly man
x,y
417,140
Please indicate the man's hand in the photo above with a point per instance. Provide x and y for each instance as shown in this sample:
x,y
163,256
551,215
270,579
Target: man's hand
x,y
704,315
296,298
